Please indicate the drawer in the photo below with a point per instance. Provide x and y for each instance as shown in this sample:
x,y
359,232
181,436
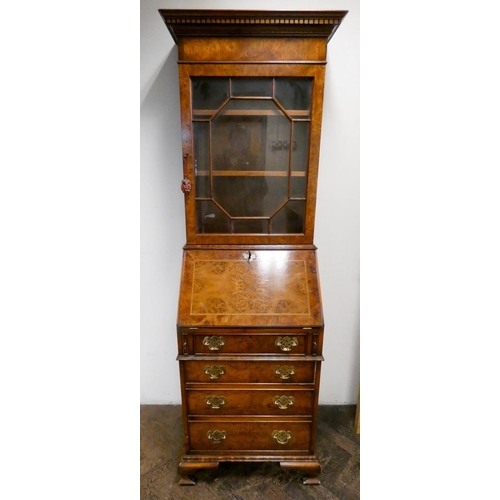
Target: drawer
x,y
250,436
253,372
250,344
250,402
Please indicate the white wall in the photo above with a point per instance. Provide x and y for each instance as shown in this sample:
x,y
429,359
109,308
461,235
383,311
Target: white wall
x,y
162,209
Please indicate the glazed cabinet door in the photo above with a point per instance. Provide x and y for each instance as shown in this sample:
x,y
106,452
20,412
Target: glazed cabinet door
x,y
250,154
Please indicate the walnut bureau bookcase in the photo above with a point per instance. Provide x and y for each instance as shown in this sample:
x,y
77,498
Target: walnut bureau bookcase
x,y
250,322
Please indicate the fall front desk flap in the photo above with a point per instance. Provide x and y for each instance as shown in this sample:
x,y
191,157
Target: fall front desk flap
x,y
245,287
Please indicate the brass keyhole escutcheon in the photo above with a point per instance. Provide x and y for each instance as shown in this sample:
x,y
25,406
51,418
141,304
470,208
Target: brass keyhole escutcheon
x,y
214,343
214,371
282,436
286,343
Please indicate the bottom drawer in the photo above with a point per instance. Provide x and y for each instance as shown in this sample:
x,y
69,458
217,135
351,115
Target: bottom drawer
x,y
250,436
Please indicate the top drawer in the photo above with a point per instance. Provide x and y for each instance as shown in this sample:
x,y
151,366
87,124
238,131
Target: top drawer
x,y
251,344
219,342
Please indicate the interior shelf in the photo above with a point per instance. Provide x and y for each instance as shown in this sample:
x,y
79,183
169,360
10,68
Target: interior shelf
x,y
249,173
250,112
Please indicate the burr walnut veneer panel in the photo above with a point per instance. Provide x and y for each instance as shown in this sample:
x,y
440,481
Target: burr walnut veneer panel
x,y
278,288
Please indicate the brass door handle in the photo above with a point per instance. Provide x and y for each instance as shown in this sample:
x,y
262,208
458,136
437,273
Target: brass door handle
x,y
215,402
214,371
282,436
283,402
214,343
284,372
186,183
286,343
217,436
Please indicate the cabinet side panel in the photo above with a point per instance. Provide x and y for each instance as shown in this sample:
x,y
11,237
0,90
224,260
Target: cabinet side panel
x,y
315,135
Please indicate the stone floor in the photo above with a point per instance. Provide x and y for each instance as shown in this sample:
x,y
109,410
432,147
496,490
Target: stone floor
x,y
161,444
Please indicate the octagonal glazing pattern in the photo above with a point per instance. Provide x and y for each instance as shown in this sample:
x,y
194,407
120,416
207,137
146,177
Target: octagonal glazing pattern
x,y
251,145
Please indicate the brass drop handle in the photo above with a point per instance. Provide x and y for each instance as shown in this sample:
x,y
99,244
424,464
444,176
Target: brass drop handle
x,y
214,343
286,343
215,402
214,371
282,436
283,402
217,436
284,372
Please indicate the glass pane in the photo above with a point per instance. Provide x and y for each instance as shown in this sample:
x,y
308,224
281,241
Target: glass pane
x,y
209,93
246,170
262,107
277,194
290,219
300,146
241,195
210,218
250,226
278,142
298,185
251,87
300,153
201,159
294,94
